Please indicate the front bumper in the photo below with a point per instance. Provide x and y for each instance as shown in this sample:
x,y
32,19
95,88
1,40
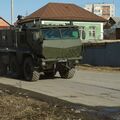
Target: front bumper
x,y
62,59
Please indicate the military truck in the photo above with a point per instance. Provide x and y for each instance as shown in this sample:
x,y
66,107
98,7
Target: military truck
x,y
26,52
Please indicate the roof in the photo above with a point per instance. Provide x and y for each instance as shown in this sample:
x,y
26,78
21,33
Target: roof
x,y
116,19
62,11
113,23
4,21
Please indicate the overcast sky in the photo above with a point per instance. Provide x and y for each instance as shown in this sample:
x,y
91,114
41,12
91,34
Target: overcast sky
x,y
25,7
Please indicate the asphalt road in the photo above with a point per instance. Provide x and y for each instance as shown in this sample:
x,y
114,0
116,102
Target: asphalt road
x,y
87,87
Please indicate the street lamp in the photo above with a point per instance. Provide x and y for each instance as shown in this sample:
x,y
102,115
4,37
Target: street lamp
x,y
12,12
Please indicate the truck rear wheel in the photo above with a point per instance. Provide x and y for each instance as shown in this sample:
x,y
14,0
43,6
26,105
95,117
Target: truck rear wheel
x,y
29,73
67,74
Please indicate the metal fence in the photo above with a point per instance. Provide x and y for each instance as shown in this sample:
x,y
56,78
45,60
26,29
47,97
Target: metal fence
x,y
103,54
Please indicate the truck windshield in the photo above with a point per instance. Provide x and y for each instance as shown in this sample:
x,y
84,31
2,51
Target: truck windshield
x,y
51,34
70,33
60,33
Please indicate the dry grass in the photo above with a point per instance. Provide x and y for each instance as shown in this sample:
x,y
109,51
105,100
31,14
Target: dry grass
x,y
98,68
20,108
23,108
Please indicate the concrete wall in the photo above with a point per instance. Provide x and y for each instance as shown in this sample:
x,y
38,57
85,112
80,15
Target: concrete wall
x,y
102,55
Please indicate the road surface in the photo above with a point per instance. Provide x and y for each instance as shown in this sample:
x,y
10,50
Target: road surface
x,y
92,88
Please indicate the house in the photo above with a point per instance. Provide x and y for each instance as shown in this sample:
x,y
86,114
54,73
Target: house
x,y
90,25
4,23
112,28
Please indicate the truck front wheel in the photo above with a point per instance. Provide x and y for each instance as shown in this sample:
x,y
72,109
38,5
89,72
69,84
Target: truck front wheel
x,y
29,73
67,73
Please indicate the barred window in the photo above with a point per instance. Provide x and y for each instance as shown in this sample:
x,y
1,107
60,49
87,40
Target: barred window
x,y
92,31
82,32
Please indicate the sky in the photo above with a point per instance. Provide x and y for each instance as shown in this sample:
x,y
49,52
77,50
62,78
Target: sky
x,y
26,7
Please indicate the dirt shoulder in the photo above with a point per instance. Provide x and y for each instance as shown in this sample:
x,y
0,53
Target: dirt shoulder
x,y
16,107
98,68
23,108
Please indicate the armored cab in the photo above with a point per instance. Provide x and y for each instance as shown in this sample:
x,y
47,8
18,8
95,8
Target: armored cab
x,y
48,49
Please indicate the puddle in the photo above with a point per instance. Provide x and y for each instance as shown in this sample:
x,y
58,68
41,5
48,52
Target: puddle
x,y
113,113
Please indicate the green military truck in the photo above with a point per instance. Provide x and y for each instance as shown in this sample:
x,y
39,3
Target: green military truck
x,y
47,49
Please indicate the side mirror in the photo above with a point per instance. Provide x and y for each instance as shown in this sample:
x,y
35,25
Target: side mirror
x,y
37,36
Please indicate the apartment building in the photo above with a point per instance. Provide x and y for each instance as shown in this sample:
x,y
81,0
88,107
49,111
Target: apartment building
x,y
104,10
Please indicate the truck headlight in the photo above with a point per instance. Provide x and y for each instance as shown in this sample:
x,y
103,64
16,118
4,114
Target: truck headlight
x,y
76,61
43,63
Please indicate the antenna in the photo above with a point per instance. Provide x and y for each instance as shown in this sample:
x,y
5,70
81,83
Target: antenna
x,y
26,13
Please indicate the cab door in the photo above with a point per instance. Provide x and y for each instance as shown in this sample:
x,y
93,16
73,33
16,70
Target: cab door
x,y
34,41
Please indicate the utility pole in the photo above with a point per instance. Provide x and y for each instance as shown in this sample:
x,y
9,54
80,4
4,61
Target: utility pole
x,y
12,12
113,1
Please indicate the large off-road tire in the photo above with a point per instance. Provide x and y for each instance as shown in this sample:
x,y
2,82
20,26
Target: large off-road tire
x,y
36,76
67,73
28,68
3,69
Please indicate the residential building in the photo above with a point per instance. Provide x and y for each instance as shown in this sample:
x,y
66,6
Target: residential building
x,y
104,10
4,23
90,25
112,28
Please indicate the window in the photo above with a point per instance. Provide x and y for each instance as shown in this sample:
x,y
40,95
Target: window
x,y
60,33
51,34
70,33
82,32
92,31
36,36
